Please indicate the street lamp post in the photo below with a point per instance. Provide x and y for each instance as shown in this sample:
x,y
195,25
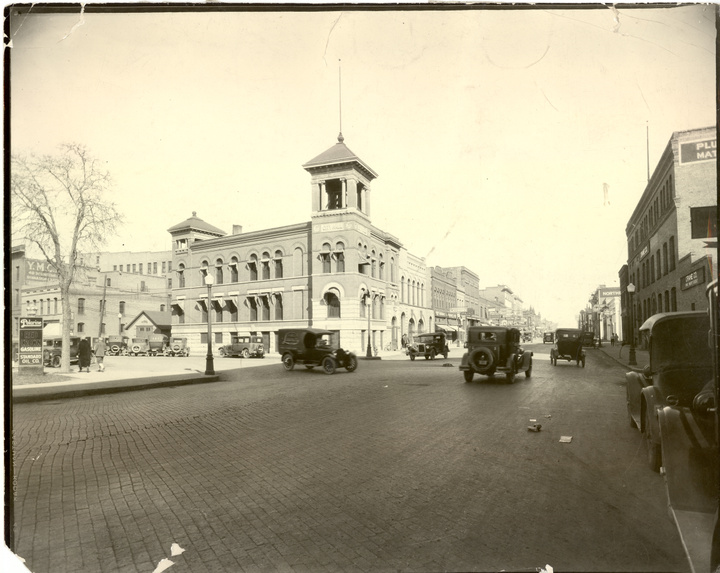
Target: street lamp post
x,y
209,366
632,360
368,309
120,323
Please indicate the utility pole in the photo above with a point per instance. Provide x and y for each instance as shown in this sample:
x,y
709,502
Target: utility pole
x,y
102,306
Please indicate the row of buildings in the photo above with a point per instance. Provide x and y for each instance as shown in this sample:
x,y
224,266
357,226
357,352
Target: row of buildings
x,y
335,271
671,241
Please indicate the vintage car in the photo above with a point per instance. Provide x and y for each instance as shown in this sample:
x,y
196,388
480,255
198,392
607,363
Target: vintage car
x,y
429,345
157,344
244,346
311,347
177,347
52,350
493,349
549,337
568,346
680,366
690,460
117,344
138,346
588,339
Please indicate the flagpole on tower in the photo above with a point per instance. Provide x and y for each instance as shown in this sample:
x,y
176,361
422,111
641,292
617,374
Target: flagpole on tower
x,y
340,136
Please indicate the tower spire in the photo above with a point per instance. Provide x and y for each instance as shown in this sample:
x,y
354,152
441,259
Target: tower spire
x,y
340,135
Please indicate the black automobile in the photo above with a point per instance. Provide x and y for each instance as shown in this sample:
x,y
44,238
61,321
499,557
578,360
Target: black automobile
x,y
680,366
429,345
52,350
312,347
568,346
548,337
493,349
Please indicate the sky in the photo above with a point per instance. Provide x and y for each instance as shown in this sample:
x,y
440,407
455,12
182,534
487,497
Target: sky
x,y
513,142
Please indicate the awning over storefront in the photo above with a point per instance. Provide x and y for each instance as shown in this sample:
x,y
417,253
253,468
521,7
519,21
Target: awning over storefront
x,y
446,327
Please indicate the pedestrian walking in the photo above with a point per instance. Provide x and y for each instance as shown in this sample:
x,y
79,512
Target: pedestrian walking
x,y
404,340
100,352
84,354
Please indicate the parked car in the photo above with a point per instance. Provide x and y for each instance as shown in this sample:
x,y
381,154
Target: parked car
x,y
311,347
680,366
549,337
568,346
429,345
117,344
52,350
156,344
177,347
690,459
588,339
138,346
493,349
244,346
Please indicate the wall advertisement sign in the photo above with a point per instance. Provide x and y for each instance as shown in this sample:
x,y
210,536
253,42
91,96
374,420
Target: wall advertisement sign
x,y
698,151
30,348
695,278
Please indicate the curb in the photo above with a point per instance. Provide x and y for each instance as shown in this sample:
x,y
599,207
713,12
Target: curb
x,y
24,394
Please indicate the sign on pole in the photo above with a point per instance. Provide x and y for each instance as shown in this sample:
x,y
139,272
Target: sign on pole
x,y
30,349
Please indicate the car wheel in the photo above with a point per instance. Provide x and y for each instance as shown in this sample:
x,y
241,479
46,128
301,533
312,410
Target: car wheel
x,y
288,361
245,353
468,375
445,354
583,362
352,364
328,365
412,357
653,450
432,354
56,362
528,372
631,420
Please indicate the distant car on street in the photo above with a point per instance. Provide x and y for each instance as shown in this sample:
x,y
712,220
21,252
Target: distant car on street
x,y
588,339
177,346
311,347
680,366
244,346
549,337
429,345
493,349
568,346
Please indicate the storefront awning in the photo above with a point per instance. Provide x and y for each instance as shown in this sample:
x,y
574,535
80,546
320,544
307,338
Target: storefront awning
x,y
446,327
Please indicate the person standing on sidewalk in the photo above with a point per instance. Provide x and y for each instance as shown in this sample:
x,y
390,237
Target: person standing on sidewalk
x,y
84,354
100,352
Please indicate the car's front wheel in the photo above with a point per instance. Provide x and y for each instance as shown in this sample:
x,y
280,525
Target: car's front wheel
x,y
222,352
328,365
468,375
56,361
412,356
288,361
245,353
352,364
654,454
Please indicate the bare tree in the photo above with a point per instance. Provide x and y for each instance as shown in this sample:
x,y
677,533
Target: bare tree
x,y
59,204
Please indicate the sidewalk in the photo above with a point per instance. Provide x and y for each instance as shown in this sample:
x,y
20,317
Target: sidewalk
x,y
621,354
127,373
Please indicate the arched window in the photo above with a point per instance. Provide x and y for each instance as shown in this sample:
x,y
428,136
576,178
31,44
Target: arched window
x,y
203,270
373,265
121,307
278,264
219,272
80,327
340,257
298,262
333,304
162,308
381,268
81,306
266,265
325,258
233,269
181,275
253,267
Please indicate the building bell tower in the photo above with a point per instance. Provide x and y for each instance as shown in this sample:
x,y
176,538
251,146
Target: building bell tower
x,y
340,182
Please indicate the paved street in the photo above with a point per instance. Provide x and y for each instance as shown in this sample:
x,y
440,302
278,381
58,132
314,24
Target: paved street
x,y
400,466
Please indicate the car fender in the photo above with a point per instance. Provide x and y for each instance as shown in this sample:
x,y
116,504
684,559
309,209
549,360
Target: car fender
x,y
648,401
464,360
526,359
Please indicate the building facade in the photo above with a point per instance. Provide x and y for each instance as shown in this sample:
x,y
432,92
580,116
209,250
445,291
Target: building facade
x,y
672,232
336,271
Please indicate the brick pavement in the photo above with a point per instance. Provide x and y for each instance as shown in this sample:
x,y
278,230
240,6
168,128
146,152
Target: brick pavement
x,y
305,472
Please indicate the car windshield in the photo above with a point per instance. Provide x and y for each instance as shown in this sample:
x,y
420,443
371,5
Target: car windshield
x,y
681,341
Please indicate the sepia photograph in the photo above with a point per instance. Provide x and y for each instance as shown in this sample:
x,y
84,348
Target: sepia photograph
x,y
362,288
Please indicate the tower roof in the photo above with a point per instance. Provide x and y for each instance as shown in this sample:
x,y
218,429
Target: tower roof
x,y
337,155
195,223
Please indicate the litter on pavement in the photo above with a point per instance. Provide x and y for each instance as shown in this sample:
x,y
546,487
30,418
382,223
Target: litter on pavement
x,y
534,428
565,439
